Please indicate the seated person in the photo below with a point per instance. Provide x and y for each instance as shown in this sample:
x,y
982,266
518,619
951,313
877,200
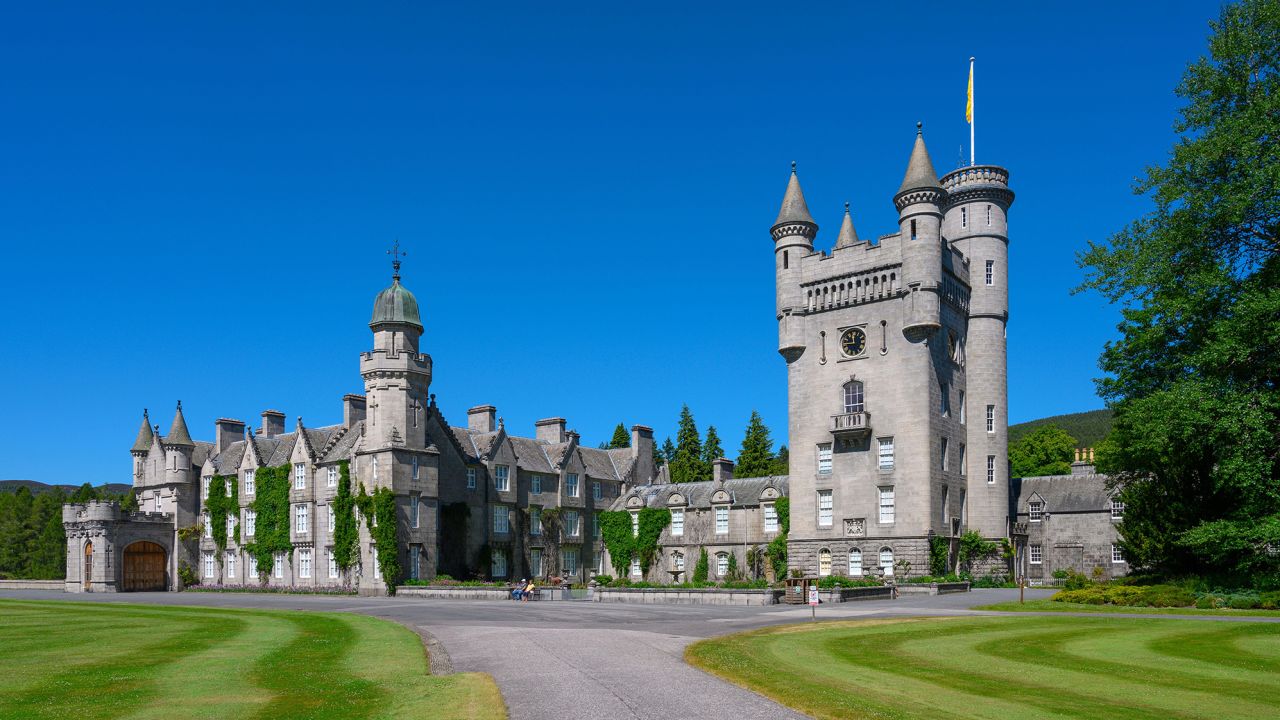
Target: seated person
x,y
528,590
517,591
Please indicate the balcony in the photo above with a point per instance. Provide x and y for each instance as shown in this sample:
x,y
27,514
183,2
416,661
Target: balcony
x,y
852,424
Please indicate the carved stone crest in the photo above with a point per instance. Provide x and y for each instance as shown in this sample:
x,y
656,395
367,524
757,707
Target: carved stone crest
x,y
855,527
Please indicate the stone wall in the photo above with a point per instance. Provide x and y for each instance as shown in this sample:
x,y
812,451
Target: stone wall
x,y
683,596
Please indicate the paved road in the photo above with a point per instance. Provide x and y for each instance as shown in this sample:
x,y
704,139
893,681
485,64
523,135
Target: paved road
x,y
569,660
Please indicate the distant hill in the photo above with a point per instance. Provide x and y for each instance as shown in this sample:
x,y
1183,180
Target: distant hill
x,y
1088,428
38,487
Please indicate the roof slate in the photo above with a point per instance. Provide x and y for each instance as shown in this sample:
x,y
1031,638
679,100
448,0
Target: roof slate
x,y
1065,493
598,464
742,491
529,455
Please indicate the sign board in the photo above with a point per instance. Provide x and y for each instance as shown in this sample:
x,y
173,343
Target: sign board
x,y
813,595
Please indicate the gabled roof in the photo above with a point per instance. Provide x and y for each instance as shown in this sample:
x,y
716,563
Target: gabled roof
x,y
201,453
598,464
228,461
529,455
341,450
1064,493
743,492
484,442
622,461
466,444
557,453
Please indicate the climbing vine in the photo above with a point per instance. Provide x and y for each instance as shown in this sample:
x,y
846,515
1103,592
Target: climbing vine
x,y
939,555
220,504
379,510
973,547
615,530
271,504
346,536
776,550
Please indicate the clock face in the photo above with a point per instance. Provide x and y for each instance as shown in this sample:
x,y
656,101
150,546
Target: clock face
x,y
853,342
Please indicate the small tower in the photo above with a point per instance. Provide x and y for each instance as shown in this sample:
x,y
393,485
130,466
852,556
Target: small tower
x,y
793,233
919,202
848,236
141,446
178,448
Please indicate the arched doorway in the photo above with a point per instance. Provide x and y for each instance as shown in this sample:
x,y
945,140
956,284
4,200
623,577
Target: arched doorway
x,y
87,578
144,567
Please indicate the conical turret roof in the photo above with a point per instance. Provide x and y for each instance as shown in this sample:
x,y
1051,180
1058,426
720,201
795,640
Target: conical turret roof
x,y
143,443
178,434
794,208
920,172
848,236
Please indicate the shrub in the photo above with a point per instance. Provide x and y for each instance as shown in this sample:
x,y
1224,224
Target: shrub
x,y
187,575
703,568
603,579
831,582
1076,581
993,581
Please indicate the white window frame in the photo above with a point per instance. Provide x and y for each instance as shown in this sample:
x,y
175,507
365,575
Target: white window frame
x,y
250,522
855,399
888,511
677,522
333,518
374,467
885,453
635,566
572,523
824,458
331,476
535,520
1035,511
826,508
300,519
373,555
991,418
501,478
1117,555
414,504
205,482
156,499
991,469
722,519
1035,554
991,272
635,523
231,526
277,565
535,562
333,563
251,566
501,519
250,482
535,484
207,560
571,485
886,559
299,476
229,565
471,478
677,561
855,562
208,524
770,512
824,562
1117,509
304,563
722,564
569,561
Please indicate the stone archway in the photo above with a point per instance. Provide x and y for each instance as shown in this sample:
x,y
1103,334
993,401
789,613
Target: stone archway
x,y
86,580
144,567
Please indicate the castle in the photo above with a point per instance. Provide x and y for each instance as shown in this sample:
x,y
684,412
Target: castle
x,y
897,422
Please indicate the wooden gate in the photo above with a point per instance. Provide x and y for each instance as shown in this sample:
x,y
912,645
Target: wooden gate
x,y
144,567
87,580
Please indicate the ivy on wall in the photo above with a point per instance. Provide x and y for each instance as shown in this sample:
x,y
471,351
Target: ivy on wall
x,y
379,510
220,505
939,555
346,536
615,530
271,504
776,550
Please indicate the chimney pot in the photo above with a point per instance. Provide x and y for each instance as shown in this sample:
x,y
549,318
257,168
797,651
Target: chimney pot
x,y
482,418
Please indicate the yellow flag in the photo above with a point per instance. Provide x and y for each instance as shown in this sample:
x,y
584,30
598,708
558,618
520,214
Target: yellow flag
x,y
968,107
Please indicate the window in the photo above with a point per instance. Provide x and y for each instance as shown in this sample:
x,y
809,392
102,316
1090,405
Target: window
x,y
722,520
569,561
1035,510
854,401
1117,555
991,272
991,469
913,229
770,518
415,468
251,566
824,458
964,217
300,519
413,510
1035,554
277,565
208,527
988,216
207,557
498,564
964,507
204,486
535,562
535,521
595,526
945,445
571,485
824,508
677,561
231,527
961,459
945,490
304,563
855,562
635,523
572,527
333,563
157,501
471,478
677,523
500,518
944,406
248,482
333,519
1117,509
415,553
373,556
597,493
886,453
299,476
500,482
722,564
375,469
991,418
250,522
886,560
886,504
961,407
824,562
331,477
535,485
635,566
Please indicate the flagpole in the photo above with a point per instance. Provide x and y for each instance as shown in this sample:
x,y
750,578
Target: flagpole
x,y
971,114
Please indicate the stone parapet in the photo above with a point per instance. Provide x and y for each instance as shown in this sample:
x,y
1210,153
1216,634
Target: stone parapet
x,y
689,596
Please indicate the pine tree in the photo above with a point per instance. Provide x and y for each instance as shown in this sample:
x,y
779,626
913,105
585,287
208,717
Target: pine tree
x,y
687,465
703,568
621,438
668,450
756,458
711,450
781,462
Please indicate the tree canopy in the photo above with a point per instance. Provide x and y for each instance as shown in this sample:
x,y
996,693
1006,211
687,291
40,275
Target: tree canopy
x,y
1046,450
711,450
756,457
688,466
1194,378
621,438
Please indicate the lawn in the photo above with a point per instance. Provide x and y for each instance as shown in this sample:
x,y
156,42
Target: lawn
x,y
1056,606
99,660
1008,667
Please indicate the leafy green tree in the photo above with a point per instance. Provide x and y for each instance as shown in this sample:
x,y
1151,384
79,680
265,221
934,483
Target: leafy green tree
x,y
1047,450
703,568
84,493
687,466
1193,378
781,464
621,438
16,532
732,571
756,458
711,450
129,503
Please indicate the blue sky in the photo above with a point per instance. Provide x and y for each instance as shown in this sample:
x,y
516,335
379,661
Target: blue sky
x,y
196,200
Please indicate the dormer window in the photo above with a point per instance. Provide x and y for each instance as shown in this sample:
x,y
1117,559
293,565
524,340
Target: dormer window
x,y
300,476
248,482
1035,510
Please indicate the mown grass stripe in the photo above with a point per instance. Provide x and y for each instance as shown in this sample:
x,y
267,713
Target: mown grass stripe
x,y
302,678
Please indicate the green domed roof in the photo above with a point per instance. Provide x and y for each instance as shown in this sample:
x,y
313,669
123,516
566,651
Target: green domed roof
x,y
396,305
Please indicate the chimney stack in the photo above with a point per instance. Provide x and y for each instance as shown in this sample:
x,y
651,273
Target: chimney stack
x,y
272,423
482,418
721,470
225,432
353,409
550,430
643,471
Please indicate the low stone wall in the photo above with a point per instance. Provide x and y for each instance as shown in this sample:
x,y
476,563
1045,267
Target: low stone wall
x,y
932,588
688,596
837,595
453,592
33,584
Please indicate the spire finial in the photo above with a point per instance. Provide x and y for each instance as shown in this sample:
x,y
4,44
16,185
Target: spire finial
x,y
846,207
793,167
179,404
396,253
919,128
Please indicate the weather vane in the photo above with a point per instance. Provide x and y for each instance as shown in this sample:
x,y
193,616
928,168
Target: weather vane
x,y
396,253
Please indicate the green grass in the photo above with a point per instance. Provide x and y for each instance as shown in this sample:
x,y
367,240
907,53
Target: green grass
x,y
103,661
1008,667
1057,606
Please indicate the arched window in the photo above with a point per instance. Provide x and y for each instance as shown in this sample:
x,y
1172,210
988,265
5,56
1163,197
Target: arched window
x,y
886,559
722,564
855,562
824,562
853,398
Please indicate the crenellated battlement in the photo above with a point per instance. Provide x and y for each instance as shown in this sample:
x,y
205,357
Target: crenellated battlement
x,y
977,182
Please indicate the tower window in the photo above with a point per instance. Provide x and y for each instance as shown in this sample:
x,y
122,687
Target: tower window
x,y
853,398
945,445
886,453
824,508
786,259
991,418
961,407
824,458
945,405
991,272
961,458
913,229
964,217
988,216
991,469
